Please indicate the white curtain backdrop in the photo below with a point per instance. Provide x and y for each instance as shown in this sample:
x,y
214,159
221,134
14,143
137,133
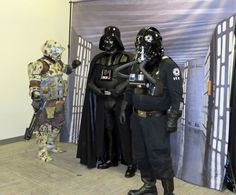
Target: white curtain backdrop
x,y
186,25
198,35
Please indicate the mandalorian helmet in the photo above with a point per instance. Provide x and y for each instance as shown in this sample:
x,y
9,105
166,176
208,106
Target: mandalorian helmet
x,y
148,44
111,40
52,49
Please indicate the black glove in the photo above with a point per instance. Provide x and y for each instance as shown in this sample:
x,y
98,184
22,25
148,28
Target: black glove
x,y
36,100
36,105
35,96
120,88
122,115
95,89
172,120
75,63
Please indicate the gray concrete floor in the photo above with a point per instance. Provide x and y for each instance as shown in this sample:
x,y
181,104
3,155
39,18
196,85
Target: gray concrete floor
x,y
21,173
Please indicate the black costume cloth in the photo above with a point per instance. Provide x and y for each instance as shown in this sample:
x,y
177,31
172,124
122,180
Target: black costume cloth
x,y
91,142
151,140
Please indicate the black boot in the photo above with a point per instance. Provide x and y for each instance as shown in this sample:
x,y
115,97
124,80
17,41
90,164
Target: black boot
x,y
168,185
130,172
107,164
111,152
148,188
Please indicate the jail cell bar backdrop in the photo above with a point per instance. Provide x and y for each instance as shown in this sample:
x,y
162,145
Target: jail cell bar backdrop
x,y
77,82
83,53
218,117
201,142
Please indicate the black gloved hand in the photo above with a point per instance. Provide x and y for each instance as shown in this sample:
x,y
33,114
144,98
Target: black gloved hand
x,y
95,89
36,96
36,100
36,105
122,116
75,63
119,89
172,120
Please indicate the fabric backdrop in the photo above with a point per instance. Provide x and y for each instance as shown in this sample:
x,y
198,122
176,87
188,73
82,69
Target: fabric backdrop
x,y
198,35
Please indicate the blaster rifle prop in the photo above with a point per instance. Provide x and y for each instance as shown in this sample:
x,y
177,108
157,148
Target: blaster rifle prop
x,y
34,121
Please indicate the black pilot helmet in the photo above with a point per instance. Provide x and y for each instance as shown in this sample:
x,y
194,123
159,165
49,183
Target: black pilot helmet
x,y
148,44
111,40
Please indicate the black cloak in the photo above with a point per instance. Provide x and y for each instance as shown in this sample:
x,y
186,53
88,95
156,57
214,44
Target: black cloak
x,y
87,147
91,144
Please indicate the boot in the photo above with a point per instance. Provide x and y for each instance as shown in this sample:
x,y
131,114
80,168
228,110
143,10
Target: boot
x,y
44,156
148,188
107,164
54,149
130,172
52,135
168,185
111,152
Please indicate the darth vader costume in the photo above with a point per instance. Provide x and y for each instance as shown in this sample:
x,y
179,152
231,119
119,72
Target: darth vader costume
x,y
103,140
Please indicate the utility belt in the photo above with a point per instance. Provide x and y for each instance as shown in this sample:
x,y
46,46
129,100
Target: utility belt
x,y
146,114
55,106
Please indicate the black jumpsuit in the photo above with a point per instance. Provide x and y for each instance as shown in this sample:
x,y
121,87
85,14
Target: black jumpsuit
x,y
151,140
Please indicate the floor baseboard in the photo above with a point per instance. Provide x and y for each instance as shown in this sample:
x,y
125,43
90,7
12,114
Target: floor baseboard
x,y
11,140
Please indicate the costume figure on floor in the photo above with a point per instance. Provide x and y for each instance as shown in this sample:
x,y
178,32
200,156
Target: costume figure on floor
x,y
102,137
48,91
156,95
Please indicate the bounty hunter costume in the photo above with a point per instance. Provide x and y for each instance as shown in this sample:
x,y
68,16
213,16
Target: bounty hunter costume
x,y
102,136
155,87
48,91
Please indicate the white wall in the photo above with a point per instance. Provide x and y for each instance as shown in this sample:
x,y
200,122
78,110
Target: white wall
x,y
25,25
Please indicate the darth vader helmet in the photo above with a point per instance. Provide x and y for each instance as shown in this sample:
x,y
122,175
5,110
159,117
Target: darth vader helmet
x,y
148,44
52,49
111,40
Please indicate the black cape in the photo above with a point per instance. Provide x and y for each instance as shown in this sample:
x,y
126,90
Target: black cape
x,y
91,137
87,146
